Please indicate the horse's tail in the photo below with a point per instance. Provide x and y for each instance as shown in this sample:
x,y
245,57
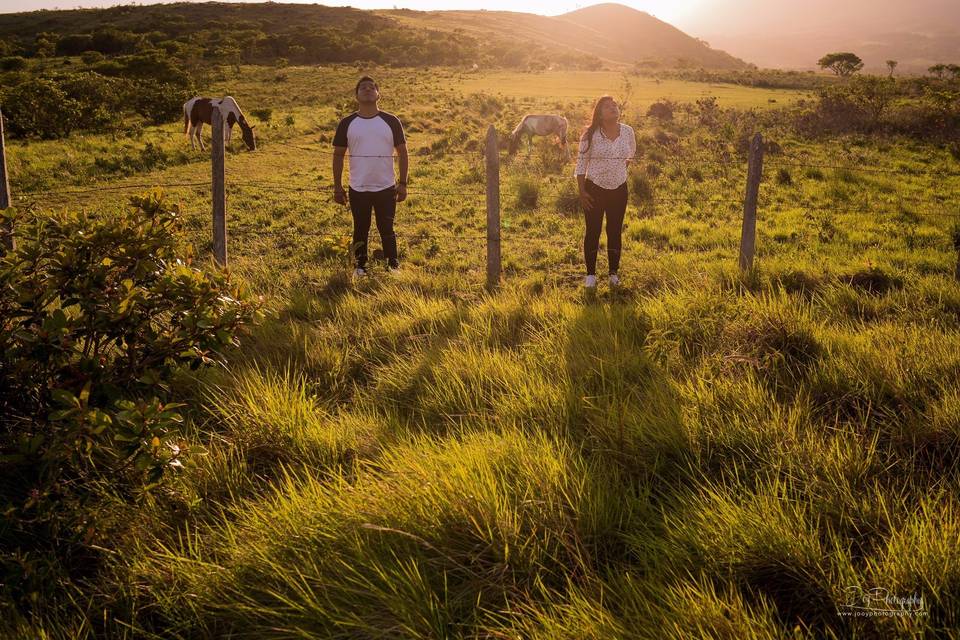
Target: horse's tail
x,y
187,106
564,127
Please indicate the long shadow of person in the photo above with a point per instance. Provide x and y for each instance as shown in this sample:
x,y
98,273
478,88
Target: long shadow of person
x,y
620,402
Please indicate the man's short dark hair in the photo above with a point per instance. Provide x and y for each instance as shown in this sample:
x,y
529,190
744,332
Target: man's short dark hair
x,y
365,79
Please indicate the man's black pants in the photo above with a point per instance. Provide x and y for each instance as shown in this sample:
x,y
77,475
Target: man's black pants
x,y
384,205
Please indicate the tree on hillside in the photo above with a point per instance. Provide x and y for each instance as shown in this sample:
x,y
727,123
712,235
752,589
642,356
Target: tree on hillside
x,y
841,63
891,65
954,70
874,95
938,70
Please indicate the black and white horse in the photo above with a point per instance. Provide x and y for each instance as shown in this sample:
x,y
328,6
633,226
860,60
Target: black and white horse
x,y
540,125
199,111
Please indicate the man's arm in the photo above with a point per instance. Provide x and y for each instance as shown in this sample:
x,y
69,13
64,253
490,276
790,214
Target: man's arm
x,y
339,195
404,162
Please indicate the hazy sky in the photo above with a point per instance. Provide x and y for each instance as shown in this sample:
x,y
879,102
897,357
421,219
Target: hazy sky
x,y
673,11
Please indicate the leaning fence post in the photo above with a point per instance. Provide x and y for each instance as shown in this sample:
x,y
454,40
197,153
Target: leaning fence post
x,y
6,227
493,209
219,191
748,236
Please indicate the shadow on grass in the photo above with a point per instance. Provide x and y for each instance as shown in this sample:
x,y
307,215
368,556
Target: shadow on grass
x,y
620,402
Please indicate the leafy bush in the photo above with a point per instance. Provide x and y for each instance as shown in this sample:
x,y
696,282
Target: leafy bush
x,y
13,63
264,114
98,316
74,44
662,111
568,199
150,157
160,102
98,98
528,193
91,57
39,107
641,188
110,41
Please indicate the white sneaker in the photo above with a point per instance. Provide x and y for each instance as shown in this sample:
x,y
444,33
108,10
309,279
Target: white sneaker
x,y
590,282
614,280
359,272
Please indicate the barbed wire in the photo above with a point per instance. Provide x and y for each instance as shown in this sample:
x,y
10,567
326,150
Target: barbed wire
x,y
562,190
125,187
770,160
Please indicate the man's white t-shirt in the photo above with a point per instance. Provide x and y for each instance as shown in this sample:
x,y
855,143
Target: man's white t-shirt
x,y
370,143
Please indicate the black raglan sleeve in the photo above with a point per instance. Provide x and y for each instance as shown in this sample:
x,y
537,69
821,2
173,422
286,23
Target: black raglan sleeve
x,y
398,137
340,138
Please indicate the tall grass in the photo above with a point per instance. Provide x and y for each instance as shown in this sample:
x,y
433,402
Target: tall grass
x,y
699,453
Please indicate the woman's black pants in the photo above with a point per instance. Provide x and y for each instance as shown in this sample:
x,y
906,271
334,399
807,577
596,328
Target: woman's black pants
x,y
613,203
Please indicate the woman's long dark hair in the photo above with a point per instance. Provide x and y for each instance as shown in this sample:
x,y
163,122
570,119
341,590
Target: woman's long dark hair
x,y
595,122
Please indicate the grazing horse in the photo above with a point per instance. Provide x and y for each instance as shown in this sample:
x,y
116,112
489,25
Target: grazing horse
x,y
540,125
199,111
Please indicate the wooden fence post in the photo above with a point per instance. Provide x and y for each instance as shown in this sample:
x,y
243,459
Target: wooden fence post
x,y
493,209
6,227
219,191
955,236
748,236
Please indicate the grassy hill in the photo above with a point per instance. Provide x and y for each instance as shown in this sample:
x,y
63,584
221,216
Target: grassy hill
x,y
700,453
611,32
614,35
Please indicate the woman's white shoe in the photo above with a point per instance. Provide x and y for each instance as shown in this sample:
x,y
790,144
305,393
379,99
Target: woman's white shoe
x,y
590,282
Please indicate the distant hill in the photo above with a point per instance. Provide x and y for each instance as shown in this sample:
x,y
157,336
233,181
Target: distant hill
x,y
603,35
626,34
612,32
780,34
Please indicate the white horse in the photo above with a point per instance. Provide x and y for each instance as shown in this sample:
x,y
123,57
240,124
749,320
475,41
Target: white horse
x,y
199,111
540,125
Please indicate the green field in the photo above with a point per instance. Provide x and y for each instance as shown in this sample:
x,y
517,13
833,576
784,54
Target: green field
x,y
701,453
586,85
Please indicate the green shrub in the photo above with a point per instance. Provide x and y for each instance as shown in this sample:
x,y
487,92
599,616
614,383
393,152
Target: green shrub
x,y
264,115
98,98
151,157
641,188
74,44
91,57
39,107
528,193
160,102
99,313
568,199
13,63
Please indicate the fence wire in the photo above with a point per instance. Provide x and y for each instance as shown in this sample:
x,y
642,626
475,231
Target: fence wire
x,y
669,158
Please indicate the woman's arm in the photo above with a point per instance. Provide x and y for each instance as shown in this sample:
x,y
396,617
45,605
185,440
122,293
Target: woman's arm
x,y
585,198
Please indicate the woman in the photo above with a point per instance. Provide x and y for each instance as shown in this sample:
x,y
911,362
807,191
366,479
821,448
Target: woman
x,y
607,146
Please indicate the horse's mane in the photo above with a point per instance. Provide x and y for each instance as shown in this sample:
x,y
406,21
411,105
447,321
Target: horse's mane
x,y
240,117
519,127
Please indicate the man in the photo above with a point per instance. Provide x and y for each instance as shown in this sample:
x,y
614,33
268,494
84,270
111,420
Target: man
x,y
371,136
